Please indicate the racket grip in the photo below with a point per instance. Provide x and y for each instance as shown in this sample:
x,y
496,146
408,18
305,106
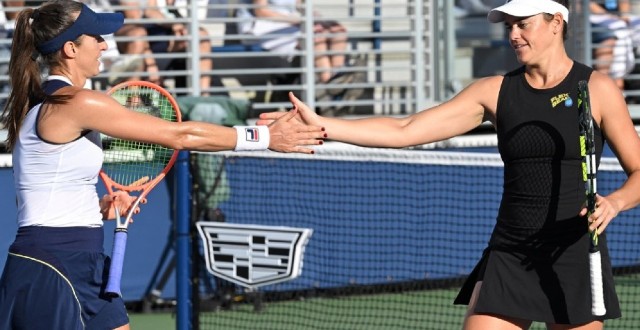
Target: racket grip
x,y
117,261
597,295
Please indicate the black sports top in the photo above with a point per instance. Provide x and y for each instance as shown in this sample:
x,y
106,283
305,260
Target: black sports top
x,y
538,140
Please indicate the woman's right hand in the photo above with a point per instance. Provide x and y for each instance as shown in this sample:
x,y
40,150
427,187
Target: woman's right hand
x,y
304,114
289,134
178,30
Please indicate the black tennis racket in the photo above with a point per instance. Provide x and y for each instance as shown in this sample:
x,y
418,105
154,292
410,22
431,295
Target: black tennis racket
x,y
588,153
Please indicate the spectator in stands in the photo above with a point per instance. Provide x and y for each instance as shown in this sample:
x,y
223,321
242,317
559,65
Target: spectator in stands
x,y
147,62
55,269
617,18
471,7
614,55
282,17
7,20
536,265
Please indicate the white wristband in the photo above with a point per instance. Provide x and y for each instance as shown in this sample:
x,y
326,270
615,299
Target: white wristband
x,y
252,138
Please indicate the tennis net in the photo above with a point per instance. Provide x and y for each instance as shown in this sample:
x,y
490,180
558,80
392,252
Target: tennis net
x,y
395,233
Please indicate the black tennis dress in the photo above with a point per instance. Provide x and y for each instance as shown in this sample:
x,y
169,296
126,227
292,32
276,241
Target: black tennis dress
x,y
536,265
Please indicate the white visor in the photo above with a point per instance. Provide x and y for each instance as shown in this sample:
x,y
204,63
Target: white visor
x,y
526,8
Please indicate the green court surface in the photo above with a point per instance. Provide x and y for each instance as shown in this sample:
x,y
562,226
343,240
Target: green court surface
x,y
432,309
152,321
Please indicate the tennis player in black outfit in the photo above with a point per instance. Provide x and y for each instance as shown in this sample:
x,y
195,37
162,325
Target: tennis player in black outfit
x,y
536,265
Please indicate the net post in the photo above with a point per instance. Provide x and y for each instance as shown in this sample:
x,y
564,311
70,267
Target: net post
x,y
183,253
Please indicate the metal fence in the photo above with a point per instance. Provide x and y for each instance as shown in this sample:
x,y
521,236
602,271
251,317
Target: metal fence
x,y
407,54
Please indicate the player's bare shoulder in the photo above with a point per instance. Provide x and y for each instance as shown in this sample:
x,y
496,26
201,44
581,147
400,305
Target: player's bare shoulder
x,y
605,96
88,99
600,80
485,91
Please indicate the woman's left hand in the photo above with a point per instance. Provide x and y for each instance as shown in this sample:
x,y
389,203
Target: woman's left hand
x,y
179,30
122,200
602,216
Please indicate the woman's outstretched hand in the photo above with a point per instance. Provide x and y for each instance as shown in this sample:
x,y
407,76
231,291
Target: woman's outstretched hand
x,y
291,131
304,114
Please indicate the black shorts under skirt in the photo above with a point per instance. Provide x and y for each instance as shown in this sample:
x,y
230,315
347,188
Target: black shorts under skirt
x,y
549,287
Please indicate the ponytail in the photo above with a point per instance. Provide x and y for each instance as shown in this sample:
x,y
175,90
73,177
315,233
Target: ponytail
x,y
24,77
33,26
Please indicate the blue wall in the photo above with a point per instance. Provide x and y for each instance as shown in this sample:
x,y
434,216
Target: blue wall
x,y
378,222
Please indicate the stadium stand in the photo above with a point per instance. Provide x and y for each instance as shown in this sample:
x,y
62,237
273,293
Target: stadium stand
x,y
412,54
403,69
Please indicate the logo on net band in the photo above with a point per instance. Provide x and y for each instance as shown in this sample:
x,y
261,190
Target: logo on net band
x,y
253,255
252,134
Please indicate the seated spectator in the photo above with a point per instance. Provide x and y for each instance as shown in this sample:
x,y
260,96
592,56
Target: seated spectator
x,y
471,8
146,62
281,17
615,54
7,20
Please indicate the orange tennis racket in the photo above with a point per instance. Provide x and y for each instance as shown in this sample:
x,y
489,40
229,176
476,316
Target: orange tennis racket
x,y
133,166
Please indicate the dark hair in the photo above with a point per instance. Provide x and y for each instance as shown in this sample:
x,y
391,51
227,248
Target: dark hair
x,y
34,26
565,26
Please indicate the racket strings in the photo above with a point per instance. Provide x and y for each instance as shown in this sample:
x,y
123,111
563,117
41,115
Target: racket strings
x,y
132,163
145,99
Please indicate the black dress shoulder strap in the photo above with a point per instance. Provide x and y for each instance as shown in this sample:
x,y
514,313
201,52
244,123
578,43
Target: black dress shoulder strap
x,y
51,86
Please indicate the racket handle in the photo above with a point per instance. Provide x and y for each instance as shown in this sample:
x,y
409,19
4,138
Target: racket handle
x,y
597,295
117,261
